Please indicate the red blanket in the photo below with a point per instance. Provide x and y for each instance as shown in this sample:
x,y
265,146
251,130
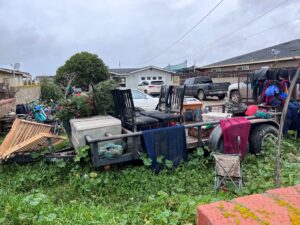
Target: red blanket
x,y
231,129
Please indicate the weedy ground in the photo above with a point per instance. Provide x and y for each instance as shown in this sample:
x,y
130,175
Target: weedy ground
x,y
70,193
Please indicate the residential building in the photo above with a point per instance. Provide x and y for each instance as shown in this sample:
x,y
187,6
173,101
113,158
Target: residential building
x,y
132,77
282,55
14,78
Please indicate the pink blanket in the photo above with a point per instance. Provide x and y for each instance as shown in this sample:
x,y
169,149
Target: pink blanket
x,y
231,129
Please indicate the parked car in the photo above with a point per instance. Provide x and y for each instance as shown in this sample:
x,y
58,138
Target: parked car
x,y
143,100
236,94
151,87
201,87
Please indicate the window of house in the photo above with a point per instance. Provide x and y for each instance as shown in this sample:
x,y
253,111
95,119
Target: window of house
x,y
153,78
160,78
240,68
142,78
216,70
148,78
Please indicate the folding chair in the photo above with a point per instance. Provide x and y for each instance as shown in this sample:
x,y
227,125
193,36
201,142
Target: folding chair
x,y
228,168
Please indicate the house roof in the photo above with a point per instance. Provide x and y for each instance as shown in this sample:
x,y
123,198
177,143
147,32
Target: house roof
x,y
128,71
284,51
123,70
17,72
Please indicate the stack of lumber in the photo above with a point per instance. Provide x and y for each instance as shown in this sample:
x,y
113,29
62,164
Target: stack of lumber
x,y
26,136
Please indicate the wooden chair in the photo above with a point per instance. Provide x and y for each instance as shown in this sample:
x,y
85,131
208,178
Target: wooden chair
x,y
228,168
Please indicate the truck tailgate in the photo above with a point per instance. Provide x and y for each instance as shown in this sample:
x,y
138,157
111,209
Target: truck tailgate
x,y
219,86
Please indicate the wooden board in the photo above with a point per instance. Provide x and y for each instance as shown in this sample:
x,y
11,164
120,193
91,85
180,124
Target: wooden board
x,y
27,136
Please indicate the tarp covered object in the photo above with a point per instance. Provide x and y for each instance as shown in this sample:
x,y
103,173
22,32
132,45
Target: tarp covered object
x,y
231,129
169,142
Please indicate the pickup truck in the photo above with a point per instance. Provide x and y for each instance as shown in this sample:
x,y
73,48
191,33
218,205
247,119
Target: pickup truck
x,y
201,87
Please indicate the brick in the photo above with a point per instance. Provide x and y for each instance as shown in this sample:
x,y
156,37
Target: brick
x,y
222,213
289,195
277,207
297,187
265,209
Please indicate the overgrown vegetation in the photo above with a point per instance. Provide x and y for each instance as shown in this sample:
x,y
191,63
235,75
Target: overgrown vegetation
x,y
75,107
69,193
50,90
102,97
97,102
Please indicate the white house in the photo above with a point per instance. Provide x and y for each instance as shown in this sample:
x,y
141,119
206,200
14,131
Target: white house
x,y
132,77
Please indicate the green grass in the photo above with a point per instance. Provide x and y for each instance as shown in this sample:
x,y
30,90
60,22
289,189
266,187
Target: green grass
x,y
60,193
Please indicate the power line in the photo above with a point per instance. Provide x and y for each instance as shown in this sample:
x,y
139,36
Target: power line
x,y
240,28
248,23
184,35
244,38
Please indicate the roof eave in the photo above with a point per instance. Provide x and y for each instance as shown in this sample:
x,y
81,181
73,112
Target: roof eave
x,y
249,63
153,67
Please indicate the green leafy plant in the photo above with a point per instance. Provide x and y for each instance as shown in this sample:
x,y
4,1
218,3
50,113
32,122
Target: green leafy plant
x,y
82,154
102,97
146,160
50,90
44,193
76,107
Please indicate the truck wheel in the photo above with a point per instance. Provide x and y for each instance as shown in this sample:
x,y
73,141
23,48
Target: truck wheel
x,y
145,91
201,95
235,96
258,136
221,97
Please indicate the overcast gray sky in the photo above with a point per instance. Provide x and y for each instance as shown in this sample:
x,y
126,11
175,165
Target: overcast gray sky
x,y
43,34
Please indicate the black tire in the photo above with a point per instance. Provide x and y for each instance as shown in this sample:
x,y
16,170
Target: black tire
x,y
235,96
145,91
257,136
201,95
221,97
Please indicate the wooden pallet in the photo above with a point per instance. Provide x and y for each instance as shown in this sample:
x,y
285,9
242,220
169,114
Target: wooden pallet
x,y
27,136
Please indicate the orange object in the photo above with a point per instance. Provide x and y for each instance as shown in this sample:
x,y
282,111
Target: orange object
x,y
278,206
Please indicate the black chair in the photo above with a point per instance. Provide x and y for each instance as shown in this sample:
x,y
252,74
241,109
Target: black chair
x,y
176,99
162,102
174,105
131,120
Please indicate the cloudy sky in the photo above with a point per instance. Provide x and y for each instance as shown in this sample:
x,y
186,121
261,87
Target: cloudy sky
x,y
43,34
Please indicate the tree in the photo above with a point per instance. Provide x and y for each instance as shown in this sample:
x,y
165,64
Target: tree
x,y
89,69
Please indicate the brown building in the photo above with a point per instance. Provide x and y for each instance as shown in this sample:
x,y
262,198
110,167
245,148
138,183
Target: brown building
x,y
282,55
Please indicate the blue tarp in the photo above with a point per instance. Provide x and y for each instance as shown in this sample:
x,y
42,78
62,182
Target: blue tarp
x,y
169,142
